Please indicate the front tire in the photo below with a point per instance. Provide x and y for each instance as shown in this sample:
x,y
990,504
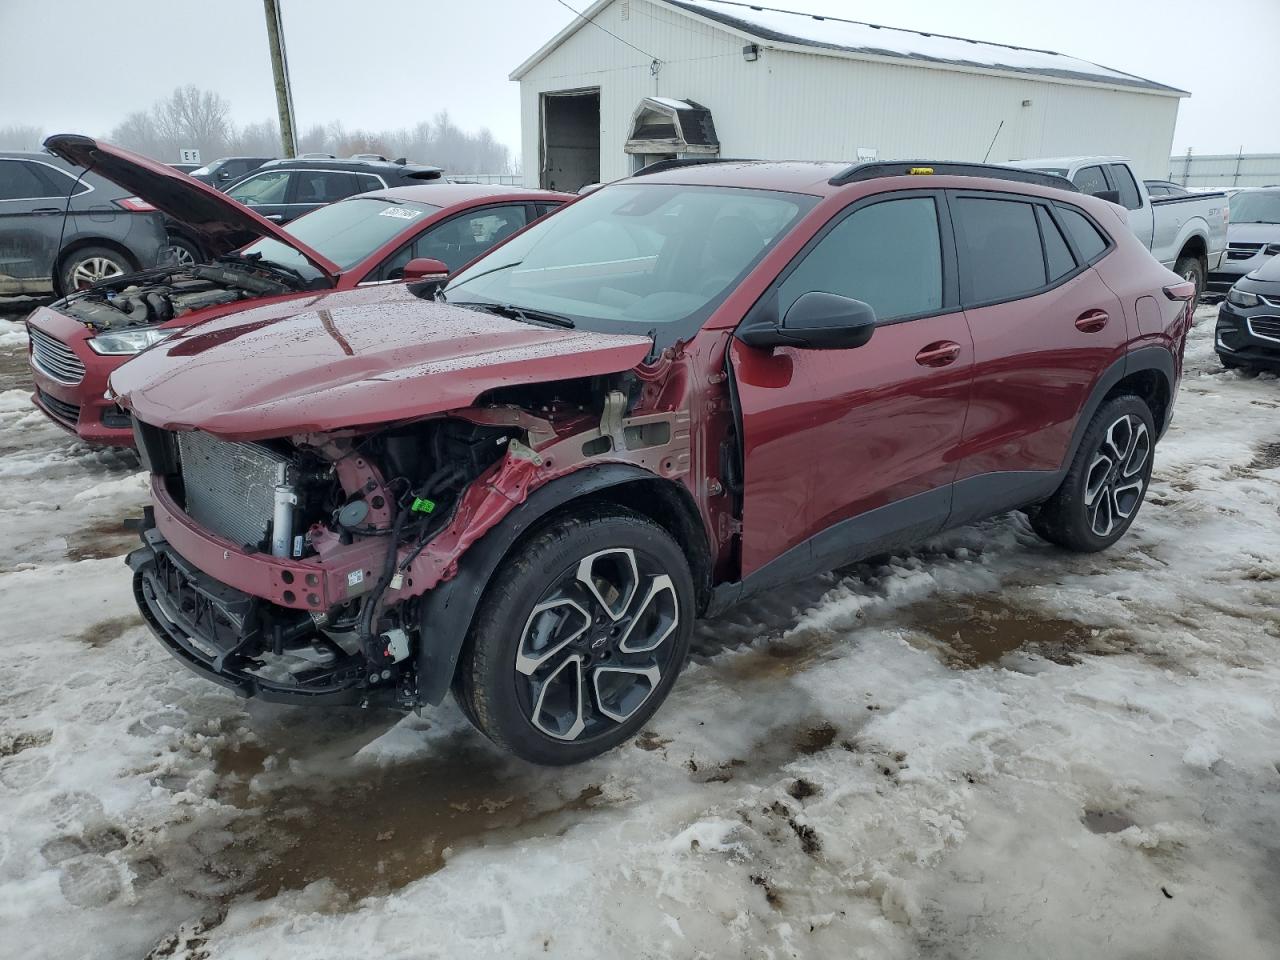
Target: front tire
x,y
579,638
1107,480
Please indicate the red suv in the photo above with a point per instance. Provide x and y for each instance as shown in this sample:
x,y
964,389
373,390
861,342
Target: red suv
x,y
687,387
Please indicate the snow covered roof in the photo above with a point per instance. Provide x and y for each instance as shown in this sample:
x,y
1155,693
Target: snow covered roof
x,y
842,37
851,36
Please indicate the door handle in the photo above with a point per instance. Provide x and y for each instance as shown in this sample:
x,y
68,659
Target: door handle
x,y
46,211
938,354
275,217
1091,321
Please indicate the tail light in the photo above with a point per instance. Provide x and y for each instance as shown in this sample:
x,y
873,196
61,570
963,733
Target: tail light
x,y
135,205
1186,290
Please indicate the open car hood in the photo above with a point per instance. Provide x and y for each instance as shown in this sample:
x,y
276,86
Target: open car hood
x,y
220,223
349,359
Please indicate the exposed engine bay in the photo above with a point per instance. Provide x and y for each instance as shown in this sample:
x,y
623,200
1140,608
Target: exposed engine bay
x,y
158,296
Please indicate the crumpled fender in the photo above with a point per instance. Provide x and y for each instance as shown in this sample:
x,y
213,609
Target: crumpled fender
x,y
447,610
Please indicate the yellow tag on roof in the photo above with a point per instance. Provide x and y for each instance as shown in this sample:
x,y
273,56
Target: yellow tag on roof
x,y
920,171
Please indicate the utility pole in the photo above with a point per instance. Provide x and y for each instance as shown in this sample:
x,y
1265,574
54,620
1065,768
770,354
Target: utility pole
x,y
280,70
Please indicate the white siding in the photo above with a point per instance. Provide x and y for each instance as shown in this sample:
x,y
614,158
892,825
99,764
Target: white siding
x,y
822,107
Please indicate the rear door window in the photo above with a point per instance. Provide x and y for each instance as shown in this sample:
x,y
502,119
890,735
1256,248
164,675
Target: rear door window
x,y
999,245
367,181
323,186
1130,198
19,181
1091,180
1089,242
888,254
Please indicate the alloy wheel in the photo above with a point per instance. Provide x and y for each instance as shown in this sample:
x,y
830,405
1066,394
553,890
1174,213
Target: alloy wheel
x,y
597,644
181,256
1116,478
92,269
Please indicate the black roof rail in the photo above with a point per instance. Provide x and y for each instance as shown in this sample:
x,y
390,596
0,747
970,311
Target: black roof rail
x,y
906,168
677,162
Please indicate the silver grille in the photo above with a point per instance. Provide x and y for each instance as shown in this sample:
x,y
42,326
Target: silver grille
x,y
54,358
1265,328
230,487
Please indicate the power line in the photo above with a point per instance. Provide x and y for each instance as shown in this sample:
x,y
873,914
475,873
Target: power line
x,y
607,30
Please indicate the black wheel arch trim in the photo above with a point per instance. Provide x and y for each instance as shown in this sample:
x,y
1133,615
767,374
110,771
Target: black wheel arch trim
x,y
1159,359
447,611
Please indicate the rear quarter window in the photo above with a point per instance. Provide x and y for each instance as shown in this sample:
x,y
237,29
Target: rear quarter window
x,y
1088,241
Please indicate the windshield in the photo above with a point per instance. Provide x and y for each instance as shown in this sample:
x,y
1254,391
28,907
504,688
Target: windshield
x,y
346,232
1255,206
634,257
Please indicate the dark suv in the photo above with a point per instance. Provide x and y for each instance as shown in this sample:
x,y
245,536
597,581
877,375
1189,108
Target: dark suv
x,y
687,387
283,189
62,229
227,170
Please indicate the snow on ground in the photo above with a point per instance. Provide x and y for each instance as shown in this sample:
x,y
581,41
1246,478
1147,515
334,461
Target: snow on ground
x,y
985,748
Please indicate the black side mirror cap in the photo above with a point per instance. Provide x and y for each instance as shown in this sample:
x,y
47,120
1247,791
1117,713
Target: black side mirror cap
x,y
816,321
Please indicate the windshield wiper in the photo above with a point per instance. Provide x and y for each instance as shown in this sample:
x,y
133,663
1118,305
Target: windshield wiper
x,y
256,260
523,314
513,263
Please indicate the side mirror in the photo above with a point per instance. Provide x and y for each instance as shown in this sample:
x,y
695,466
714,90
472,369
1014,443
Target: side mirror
x,y
425,268
1111,196
817,321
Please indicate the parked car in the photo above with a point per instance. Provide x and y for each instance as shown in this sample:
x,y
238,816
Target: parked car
x,y
187,168
223,172
1253,238
1166,188
687,387
78,341
62,228
1248,333
283,189
1187,234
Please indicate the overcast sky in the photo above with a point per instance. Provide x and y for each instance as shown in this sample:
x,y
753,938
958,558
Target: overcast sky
x,y
80,65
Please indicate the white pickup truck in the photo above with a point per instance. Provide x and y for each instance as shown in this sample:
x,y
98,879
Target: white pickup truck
x,y
1187,234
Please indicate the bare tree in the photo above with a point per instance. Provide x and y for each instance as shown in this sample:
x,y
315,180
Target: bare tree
x,y
255,140
191,117
20,137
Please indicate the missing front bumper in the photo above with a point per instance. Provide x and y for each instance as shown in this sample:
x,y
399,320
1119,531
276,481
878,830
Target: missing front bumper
x,y
224,634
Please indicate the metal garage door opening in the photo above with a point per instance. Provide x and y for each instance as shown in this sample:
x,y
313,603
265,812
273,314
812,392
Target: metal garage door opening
x,y
570,139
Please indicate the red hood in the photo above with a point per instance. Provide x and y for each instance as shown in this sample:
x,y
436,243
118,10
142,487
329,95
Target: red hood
x,y
220,223
348,359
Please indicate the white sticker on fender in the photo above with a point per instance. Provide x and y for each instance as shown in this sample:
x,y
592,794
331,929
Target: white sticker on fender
x,y
355,578
400,213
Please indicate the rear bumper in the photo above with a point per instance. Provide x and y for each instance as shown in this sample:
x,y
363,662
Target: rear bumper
x,y
216,631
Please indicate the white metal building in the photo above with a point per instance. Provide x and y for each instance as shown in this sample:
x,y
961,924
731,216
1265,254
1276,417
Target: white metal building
x,y
633,81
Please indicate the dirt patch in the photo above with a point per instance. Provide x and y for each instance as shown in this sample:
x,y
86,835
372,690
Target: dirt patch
x,y
12,744
14,372
1106,821
648,740
974,631
771,896
815,739
105,631
387,828
802,789
100,540
1266,456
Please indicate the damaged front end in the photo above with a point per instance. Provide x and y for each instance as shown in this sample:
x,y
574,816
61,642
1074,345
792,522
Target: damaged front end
x,y
303,569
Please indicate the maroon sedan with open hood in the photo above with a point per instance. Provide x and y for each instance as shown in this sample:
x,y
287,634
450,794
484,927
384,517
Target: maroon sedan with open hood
x,y
78,341
686,387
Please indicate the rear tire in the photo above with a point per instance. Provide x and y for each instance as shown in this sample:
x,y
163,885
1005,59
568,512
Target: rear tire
x,y
183,252
579,638
1106,482
1190,268
89,265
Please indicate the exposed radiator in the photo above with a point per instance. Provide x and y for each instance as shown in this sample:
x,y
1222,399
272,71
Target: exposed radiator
x,y
230,487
